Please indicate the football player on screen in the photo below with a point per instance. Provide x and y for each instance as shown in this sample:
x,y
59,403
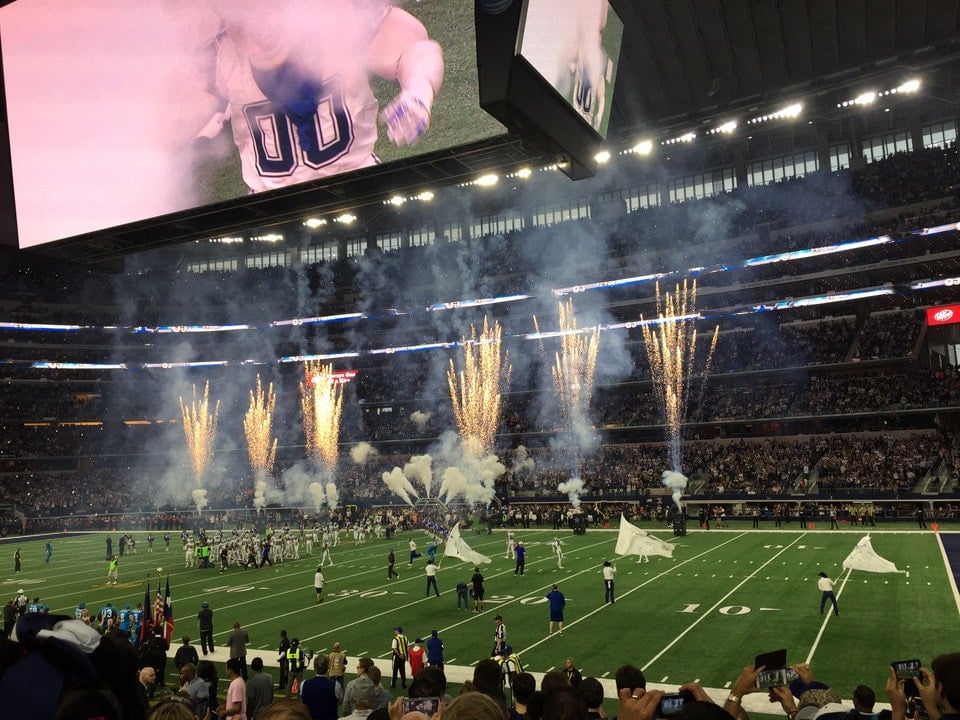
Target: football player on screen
x,y
293,78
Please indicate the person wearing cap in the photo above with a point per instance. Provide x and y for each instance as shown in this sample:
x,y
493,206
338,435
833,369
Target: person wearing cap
x,y
416,653
364,665
364,698
435,650
21,601
499,636
338,665
205,624
295,667
399,649
186,653
609,570
826,588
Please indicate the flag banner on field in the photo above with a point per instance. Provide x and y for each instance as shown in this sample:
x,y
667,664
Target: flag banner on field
x,y
146,624
633,541
457,547
167,614
864,557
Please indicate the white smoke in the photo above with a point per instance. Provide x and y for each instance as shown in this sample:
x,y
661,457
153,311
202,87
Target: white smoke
x,y
420,418
454,483
522,462
399,485
333,496
260,496
363,452
316,493
200,499
677,482
419,468
573,488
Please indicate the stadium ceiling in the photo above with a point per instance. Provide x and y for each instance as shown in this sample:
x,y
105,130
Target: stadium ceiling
x,y
684,63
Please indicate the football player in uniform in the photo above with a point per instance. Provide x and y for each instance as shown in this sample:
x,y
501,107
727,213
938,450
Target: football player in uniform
x,y
293,79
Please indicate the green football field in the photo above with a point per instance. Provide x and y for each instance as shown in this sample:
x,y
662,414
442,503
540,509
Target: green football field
x,y
725,596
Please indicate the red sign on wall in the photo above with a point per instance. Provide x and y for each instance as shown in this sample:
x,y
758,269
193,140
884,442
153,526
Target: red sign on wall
x,y
943,315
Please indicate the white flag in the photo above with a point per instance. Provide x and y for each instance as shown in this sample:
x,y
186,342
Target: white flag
x,y
634,541
457,547
864,557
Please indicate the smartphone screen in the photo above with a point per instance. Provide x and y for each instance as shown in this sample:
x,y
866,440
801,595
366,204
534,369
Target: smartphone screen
x,y
429,706
906,669
670,704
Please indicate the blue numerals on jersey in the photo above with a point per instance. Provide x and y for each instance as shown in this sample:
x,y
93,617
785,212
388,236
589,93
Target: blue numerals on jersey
x,y
283,141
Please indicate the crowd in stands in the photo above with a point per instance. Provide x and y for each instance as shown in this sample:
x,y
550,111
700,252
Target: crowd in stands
x,y
835,375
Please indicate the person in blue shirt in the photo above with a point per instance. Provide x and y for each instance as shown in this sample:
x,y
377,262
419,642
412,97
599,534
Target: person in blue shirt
x,y
432,551
557,603
435,650
125,616
521,552
136,618
49,553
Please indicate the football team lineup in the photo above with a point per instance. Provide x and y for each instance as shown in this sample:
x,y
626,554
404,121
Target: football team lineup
x,y
724,597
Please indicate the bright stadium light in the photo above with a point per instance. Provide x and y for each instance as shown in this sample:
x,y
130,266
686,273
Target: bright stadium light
x,y
486,180
866,98
314,223
910,86
396,200
602,157
644,147
345,219
425,196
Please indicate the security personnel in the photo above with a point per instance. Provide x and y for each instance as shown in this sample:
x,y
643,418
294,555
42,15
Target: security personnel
x,y
296,664
399,647
510,665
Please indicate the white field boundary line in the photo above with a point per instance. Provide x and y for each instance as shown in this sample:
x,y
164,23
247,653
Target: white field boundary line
x,y
950,576
829,614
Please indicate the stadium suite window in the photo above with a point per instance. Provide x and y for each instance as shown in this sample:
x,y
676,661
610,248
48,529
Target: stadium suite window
x,y
940,135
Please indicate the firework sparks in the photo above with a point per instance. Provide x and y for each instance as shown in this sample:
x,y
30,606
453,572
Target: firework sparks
x,y
321,398
574,367
257,426
200,430
670,343
476,390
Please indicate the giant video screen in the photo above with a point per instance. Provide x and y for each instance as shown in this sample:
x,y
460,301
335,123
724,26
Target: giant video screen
x,y
122,111
575,46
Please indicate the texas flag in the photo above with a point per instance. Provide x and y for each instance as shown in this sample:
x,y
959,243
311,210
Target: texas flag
x,y
167,614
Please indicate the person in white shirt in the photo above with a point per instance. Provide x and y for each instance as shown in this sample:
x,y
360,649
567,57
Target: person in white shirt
x,y
318,584
826,588
609,570
432,578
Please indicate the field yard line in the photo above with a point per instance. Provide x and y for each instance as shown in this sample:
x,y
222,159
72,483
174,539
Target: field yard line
x,y
643,584
717,604
823,625
946,565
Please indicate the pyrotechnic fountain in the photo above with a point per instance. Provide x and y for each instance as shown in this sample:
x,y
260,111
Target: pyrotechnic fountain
x,y
200,431
671,342
257,426
476,391
321,399
573,381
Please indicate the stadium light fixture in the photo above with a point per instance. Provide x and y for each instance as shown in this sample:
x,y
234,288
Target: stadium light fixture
x,y
685,138
790,111
425,196
396,200
602,157
725,129
345,219
314,223
488,180
910,86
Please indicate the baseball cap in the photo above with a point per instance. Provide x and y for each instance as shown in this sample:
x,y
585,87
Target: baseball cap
x,y
364,691
812,701
418,640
